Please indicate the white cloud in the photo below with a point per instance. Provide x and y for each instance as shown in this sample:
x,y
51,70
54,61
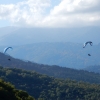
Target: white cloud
x,y
74,6
74,13
38,13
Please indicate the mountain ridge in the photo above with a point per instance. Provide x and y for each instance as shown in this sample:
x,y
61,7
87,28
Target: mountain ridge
x,y
19,36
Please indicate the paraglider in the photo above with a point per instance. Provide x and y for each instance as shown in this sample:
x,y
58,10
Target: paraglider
x,y
89,42
5,51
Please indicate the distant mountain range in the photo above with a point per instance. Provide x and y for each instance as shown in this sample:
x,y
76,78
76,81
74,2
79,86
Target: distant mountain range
x,y
19,36
65,54
95,68
53,46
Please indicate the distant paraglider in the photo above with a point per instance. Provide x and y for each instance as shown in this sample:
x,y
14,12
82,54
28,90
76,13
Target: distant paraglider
x,y
7,48
5,51
89,42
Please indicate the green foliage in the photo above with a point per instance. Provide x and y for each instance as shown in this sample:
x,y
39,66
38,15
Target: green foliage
x,y
8,92
43,87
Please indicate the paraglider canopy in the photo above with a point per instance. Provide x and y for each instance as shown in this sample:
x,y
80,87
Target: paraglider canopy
x,y
5,49
88,42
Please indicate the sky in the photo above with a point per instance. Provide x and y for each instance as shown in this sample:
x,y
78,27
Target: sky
x,y
49,13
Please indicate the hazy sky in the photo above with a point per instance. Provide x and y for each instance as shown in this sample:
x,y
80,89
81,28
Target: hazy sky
x,y
49,13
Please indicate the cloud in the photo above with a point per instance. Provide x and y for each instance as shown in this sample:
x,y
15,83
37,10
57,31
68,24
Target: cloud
x,y
29,12
74,13
76,6
41,13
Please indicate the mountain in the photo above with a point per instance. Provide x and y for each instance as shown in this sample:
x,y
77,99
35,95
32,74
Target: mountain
x,y
18,36
8,92
43,87
53,71
53,46
95,68
65,54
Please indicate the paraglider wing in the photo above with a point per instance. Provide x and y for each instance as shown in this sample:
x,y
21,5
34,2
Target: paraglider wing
x,y
5,50
89,42
84,45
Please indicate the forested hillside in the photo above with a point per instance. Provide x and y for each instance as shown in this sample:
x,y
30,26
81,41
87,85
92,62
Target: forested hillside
x,y
55,71
43,87
8,92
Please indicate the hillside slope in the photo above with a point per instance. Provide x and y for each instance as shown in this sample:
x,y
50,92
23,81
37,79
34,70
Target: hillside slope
x,y
43,87
55,71
8,92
